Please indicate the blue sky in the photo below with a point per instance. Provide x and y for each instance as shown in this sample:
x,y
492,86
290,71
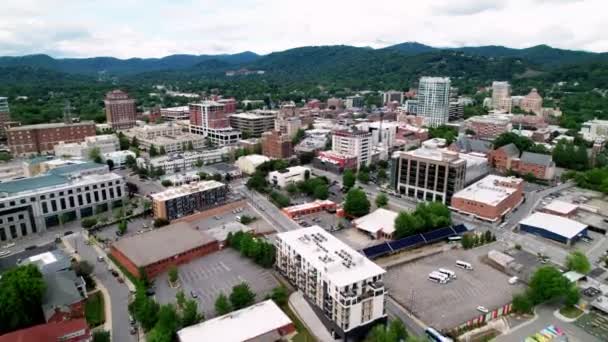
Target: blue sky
x,y
156,28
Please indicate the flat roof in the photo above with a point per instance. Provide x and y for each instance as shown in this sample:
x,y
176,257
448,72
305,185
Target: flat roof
x,y
488,190
186,189
254,158
335,260
162,243
561,207
307,206
254,115
50,125
556,224
379,220
237,326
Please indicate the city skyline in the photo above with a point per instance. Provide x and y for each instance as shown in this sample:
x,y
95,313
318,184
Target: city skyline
x,y
127,29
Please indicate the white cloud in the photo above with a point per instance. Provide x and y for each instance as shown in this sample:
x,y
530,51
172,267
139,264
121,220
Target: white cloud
x,y
131,28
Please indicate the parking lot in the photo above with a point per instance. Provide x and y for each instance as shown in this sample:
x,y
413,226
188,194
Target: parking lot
x,y
326,220
213,274
259,225
445,306
594,324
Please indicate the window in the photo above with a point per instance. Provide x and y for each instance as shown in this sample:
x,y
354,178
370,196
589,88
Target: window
x,y
45,209
23,229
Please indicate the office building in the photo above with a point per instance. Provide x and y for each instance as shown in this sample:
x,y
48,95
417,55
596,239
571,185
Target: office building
x,y
156,251
167,136
185,161
120,110
501,96
491,198
532,103
594,129
35,204
433,100
253,124
175,113
291,175
119,158
356,101
334,162
392,96
263,321
209,120
42,138
276,145
334,103
383,132
456,110
229,105
187,199
428,173
353,143
104,143
345,288
287,125
5,114
488,127
411,107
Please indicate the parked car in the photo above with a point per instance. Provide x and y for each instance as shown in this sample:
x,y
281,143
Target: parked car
x,y
133,330
69,232
29,248
100,259
114,273
482,309
193,294
120,280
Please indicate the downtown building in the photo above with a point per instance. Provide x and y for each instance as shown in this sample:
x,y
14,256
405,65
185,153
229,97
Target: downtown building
x,y
392,96
34,205
188,199
180,162
345,288
488,127
105,143
5,114
175,113
532,103
253,123
428,173
276,145
434,100
501,96
209,120
168,136
120,110
42,138
353,143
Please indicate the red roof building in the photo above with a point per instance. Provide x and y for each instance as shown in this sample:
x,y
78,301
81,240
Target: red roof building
x,y
75,330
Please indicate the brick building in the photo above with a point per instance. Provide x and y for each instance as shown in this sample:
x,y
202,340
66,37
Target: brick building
x,y
276,145
491,198
4,114
532,102
229,105
187,199
41,138
157,250
120,109
66,331
488,127
209,119
508,158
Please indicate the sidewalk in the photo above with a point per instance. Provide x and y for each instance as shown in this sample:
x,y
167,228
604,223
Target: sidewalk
x,y
302,309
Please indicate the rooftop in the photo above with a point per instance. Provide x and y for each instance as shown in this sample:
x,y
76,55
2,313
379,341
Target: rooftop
x,y
51,125
59,331
237,326
186,189
49,262
537,158
255,158
61,291
341,264
556,224
163,243
437,154
379,220
490,190
253,115
561,207
55,178
306,206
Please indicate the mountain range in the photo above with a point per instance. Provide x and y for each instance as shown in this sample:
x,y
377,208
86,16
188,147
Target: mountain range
x,y
310,59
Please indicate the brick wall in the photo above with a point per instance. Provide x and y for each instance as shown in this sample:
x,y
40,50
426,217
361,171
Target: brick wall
x,y
212,212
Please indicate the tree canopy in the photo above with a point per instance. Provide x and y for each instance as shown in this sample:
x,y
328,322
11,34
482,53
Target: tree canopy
x,y
577,261
21,292
241,296
426,217
356,203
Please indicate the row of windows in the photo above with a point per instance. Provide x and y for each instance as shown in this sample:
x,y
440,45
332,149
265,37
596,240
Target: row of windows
x,y
12,229
81,199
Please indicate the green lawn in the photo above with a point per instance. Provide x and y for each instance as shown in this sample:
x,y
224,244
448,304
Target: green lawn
x,y
303,333
570,311
94,310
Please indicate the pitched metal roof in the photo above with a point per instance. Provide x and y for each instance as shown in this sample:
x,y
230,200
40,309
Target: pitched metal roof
x,y
537,159
511,150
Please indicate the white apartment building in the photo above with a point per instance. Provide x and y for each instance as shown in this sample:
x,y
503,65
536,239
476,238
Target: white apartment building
x,y
501,96
209,120
291,175
434,100
33,205
179,162
119,158
288,125
353,143
383,134
594,129
340,282
168,136
105,143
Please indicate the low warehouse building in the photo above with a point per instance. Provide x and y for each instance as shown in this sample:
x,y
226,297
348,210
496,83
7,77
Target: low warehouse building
x,y
155,251
379,224
554,227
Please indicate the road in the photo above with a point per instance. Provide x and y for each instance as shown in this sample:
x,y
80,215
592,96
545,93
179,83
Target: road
x,y
119,293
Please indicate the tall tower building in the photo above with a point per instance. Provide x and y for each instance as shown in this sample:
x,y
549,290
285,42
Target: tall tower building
x,y
433,100
4,114
120,110
209,119
501,96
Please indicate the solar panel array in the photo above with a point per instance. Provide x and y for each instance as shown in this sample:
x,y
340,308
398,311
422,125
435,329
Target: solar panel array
x,y
412,241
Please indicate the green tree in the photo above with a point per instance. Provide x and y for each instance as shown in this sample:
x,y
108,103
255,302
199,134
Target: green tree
x,y
522,304
522,143
577,261
241,296
190,314
393,332
381,200
88,222
101,336
166,326
445,132
356,203
572,296
381,175
407,224
279,199
122,227
348,179
363,176
190,147
135,142
300,134
123,141
547,284
222,305
166,183
291,188
280,295
321,192
130,162
153,152
95,155
162,151
173,274
21,291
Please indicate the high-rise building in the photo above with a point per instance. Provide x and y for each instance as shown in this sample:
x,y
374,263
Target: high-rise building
x,y
276,145
356,101
488,127
345,288
353,143
208,119
120,110
41,138
532,102
433,100
187,199
288,125
392,95
254,123
229,105
501,96
428,173
4,114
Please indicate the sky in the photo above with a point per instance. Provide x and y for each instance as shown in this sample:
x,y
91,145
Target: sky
x,y
157,28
